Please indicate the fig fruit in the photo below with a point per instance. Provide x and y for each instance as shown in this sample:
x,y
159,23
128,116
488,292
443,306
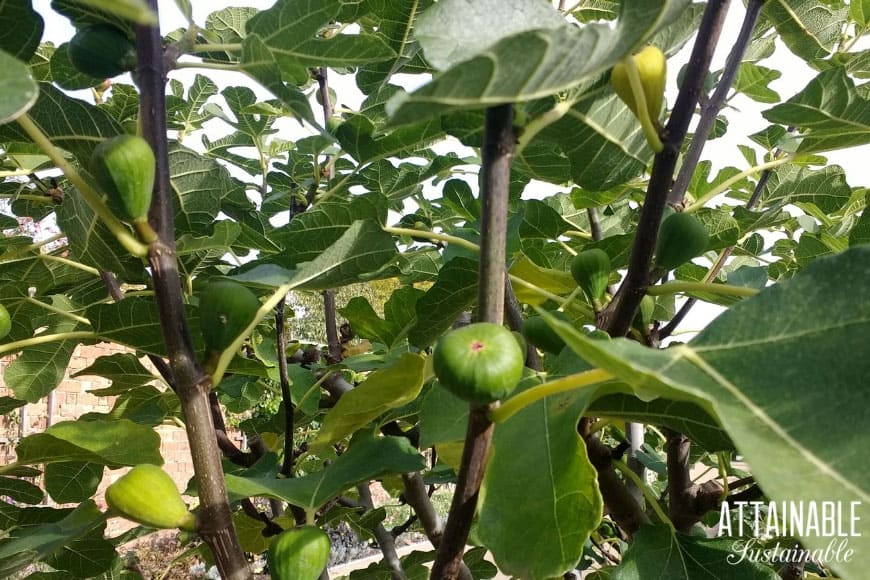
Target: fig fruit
x,y
652,68
102,51
147,495
226,308
539,333
5,322
479,363
124,167
681,238
298,554
591,271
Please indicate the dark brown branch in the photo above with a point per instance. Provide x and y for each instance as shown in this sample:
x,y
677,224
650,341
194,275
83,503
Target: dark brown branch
x,y
497,153
714,104
618,501
215,524
616,319
687,502
289,428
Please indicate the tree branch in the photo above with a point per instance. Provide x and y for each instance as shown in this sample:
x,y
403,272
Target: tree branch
x,y
616,319
714,104
215,524
497,153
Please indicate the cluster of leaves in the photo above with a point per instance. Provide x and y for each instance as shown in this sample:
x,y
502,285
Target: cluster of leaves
x,y
776,377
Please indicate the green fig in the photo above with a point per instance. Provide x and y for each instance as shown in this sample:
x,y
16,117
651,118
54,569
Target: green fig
x,y
147,495
124,167
102,51
479,363
226,308
591,271
298,554
5,322
681,238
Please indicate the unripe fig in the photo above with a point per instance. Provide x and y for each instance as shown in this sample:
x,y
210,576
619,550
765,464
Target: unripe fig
x,y
538,332
681,238
147,495
124,167
479,363
226,308
102,51
5,322
652,69
298,554
647,308
591,271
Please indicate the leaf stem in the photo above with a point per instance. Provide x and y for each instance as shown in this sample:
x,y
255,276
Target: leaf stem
x,y
561,385
734,179
217,47
93,199
647,493
58,311
682,286
649,128
45,339
426,234
534,126
70,263
210,66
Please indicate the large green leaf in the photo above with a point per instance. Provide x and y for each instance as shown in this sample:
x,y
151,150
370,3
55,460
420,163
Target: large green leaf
x,y
70,123
453,293
134,322
685,417
384,389
783,374
110,443
72,481
396,29
40,368
539,479
520,66
21,39
312,232
399,315
363,461
830,113
57,541
811,29
290,30
659,552
91,242
363,248
18,92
